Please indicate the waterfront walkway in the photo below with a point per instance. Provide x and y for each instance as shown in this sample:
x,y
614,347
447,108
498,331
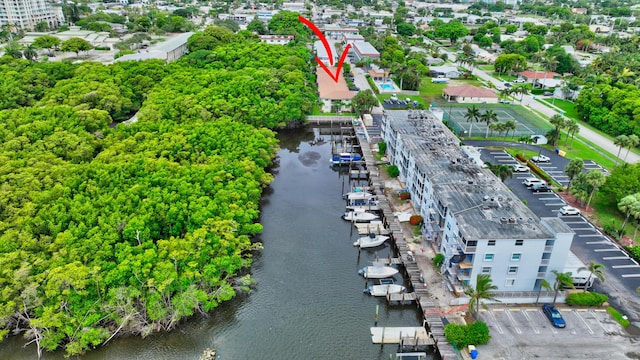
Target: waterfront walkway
x,y
430,294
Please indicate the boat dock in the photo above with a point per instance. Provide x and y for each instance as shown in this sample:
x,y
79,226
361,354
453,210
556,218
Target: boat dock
x,y
404,336
432,320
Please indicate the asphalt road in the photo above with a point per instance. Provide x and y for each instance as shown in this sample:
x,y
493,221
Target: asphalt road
x,y
622,273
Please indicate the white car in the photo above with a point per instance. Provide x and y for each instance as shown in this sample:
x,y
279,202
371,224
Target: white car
x,y
569,210
540,158
520,168
533,181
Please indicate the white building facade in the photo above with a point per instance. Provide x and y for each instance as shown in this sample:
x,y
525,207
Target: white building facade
x,y
26,14
471,217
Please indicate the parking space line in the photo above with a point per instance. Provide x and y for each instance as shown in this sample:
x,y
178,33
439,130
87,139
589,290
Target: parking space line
x,y
607,250
513,321
630,275
597,242
585,323
587,228
554,204
615,257
495,321
535,330
598,321
624,266
576,222
593,235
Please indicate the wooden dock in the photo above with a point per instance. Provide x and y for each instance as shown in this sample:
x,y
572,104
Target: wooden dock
x,y
432,317
404,336
402,298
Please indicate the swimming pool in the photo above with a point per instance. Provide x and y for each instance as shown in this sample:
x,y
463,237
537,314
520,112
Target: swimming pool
x,y
386,86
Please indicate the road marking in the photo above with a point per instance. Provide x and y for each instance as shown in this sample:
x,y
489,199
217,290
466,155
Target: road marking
x,y
553,204
585,323
587,228
513,321
624,266
615,257
607,250
590,235
498,309
597,320
630,275
576,222
535,330
597,242
495,321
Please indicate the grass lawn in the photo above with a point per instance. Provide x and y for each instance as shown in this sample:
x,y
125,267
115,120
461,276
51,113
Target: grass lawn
x,y
430,91
486,67
568,107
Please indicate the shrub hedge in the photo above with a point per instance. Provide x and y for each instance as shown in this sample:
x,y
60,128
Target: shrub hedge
x,y
618,317
464,335
405,195
415,220
586,299
543,175
438,260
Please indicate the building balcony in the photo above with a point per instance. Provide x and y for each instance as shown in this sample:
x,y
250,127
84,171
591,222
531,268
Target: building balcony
x,y
544,262
548,249
540,275
463,275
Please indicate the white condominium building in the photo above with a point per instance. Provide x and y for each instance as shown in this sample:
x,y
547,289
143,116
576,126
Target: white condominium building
x,y
26,14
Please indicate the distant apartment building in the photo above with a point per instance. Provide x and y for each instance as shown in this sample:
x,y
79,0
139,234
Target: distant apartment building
x,y
323,55
471,217
362,49
294,6
351,38
276,39
26,14
337,32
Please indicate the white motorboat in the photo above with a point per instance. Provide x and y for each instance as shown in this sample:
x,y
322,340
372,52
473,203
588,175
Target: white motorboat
x,y
377,272
372,240
359,195
359,216
363,205
384,289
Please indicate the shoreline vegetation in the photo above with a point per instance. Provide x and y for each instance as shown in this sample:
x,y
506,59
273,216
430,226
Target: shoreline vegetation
x,y
118,231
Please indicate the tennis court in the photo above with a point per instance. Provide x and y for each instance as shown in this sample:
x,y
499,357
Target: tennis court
x,y
527,123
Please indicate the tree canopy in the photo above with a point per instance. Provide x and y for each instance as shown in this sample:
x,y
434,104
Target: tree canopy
x,y
126,230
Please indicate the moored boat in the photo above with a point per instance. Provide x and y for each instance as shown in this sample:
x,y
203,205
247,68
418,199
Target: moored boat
x,y
377,272
372,240
384,289
345,158
359,216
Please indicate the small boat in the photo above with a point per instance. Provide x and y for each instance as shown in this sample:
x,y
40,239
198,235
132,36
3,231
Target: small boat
x,y
371,206
345,158
377,272
384,289
372,240
359,216
359,196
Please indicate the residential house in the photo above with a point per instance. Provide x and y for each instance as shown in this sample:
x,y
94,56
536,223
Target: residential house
x,y
472,217
335,96
351,38
276,39
470,94
450,72
538,78
321,52
337,32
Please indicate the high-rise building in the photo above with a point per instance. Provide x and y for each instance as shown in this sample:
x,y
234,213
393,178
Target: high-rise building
x,y
26,14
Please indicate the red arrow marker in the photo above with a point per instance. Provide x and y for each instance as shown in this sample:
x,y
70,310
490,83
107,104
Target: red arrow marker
x,y
322,38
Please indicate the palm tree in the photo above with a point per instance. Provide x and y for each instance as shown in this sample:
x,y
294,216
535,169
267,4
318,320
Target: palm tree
x,y
473,114
30,53
627,204
594,178
488,117
544,284
508,126
562,279
632,141
505,92
572,129
595,269
495,127
573,168
521,90
501,171
483,291
621,141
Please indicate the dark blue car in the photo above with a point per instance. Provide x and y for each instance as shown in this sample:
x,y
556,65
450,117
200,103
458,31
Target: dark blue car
x,y
554,315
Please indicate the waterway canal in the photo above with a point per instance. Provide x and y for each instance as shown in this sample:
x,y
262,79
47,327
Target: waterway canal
x,y
308,302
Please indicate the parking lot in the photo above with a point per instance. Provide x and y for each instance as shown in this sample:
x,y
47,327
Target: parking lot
x,y
526,333
588,243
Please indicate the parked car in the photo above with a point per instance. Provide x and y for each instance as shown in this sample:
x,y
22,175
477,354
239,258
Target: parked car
x,y
569,210
505,102
519,81
540,158
554,315
540,188
533,181
507,85
520,168
547,93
